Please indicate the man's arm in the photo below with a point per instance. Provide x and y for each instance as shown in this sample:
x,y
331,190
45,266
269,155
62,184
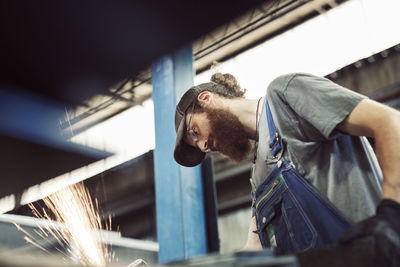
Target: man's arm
x,y
370,118
373,119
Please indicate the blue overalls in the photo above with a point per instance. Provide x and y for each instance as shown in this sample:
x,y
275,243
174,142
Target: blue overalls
x,y
291,214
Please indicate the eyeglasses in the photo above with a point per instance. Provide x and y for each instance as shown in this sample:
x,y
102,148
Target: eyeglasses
x,y
192,133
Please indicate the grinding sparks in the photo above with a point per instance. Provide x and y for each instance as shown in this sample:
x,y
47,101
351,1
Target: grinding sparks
x,y
80,234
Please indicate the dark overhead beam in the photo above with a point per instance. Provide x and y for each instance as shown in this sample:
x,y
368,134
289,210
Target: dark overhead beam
x,y
72,50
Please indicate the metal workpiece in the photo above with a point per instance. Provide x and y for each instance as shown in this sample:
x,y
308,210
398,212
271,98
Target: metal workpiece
x,y
241,259
359,253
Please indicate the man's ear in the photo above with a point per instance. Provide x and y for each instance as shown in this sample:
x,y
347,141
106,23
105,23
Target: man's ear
x,y
206,98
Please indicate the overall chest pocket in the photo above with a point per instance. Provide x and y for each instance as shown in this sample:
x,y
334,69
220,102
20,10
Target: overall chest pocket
x,y
281,221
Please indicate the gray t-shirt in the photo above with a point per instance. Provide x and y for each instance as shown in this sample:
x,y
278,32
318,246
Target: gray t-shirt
x,y
306,110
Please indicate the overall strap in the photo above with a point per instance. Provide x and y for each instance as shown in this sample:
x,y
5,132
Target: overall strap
x,y
275,142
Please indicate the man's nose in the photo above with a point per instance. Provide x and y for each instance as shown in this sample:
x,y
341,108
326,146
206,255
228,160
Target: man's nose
x,y
202,145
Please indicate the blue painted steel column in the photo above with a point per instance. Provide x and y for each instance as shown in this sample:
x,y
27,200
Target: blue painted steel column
x,y
179,194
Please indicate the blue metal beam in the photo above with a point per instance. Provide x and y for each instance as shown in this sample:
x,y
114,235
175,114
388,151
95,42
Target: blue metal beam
x,y
34,149
179,194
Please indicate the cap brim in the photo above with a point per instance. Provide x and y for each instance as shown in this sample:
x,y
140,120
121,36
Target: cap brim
x,y
184,153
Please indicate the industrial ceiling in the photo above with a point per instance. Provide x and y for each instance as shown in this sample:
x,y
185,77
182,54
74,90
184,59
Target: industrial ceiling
x,y
260,23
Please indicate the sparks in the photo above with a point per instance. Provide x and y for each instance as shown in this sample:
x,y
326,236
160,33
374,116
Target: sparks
x,y
82,227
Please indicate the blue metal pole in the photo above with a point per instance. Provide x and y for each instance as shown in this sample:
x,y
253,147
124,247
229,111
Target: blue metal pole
x,y
179,194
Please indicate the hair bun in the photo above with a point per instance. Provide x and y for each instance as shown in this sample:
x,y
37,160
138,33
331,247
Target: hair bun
x,y
230,83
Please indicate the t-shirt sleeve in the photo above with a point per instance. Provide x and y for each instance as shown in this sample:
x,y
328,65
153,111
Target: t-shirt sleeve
x,y
321,103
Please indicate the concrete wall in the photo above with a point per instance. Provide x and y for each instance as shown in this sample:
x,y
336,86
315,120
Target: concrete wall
x,y
233,228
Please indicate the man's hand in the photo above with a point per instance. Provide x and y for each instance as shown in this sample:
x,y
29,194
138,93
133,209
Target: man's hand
x,y
253,241
384,227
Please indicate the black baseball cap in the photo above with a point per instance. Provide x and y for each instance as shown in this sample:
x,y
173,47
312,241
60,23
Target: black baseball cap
x,y
184,153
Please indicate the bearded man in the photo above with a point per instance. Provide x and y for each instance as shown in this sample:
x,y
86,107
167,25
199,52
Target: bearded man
x,y
315,178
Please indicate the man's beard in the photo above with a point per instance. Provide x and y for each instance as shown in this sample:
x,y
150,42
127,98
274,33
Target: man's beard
x,y
229,134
